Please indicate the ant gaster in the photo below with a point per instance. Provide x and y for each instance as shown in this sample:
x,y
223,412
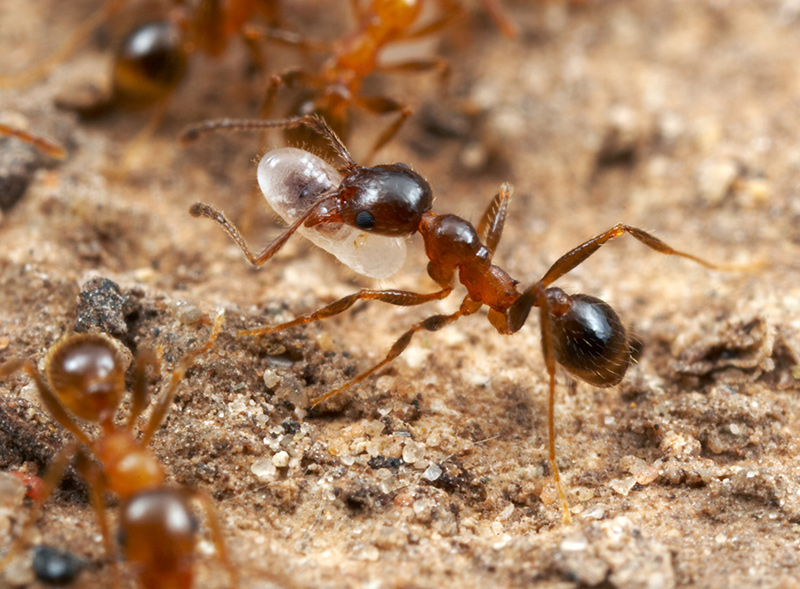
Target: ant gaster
x,y
84,378
580,332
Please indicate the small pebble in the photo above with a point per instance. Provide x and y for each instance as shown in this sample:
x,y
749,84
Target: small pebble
x,y
264,469
281,459
432,473
54,566
100,308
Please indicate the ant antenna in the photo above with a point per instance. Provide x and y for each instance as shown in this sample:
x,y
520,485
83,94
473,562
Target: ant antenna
x,y
314,122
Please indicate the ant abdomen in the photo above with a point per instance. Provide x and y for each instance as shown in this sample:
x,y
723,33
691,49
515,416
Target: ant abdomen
x,y
589,339
150,63
293,180
159,533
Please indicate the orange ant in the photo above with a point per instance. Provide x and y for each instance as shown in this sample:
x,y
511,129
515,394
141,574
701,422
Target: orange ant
x,y
580,332
84,378
151,60
45,146
337,88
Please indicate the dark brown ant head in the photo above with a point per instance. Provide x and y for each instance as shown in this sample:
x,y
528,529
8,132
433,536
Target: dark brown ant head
x,y
387,200
87,375
149,64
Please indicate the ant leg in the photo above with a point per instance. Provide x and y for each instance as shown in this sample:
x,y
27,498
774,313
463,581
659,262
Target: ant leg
x,y
400,298
536,295
212,518
50,148
42,69
290,38
290,79
490,227
200,209
160,410
503,23
451,9
145,359
97,488
313,122
433,323
382,105
54,406
578,255
55,471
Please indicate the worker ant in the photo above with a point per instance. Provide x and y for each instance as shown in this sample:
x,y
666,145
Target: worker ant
x,y
580,332
45,146
151,61
336,89
84,378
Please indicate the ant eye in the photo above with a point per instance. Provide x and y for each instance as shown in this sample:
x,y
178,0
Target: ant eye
x,y
365,220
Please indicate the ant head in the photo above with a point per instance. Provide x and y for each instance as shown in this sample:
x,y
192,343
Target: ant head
x,y
400,13
387,200
149,64
87,375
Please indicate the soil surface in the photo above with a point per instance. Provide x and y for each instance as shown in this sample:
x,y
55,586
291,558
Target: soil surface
x,y
677,117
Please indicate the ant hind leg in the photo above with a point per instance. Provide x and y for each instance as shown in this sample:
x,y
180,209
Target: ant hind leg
x,y
433,323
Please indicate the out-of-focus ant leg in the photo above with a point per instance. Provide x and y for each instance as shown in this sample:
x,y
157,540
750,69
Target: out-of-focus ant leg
x,y
433,323
382,105
400,298
168,396
212,520
42,69
46,146
97,489
53,475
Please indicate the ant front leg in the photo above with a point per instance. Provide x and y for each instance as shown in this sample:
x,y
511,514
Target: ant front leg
x,y
200,209
433,323
400,298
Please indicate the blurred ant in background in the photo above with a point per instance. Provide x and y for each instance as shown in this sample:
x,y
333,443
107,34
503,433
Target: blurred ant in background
x,y
336,89
580,332
84,378
152,59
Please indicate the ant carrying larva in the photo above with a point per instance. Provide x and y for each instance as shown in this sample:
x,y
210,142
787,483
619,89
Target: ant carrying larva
x,y
580,332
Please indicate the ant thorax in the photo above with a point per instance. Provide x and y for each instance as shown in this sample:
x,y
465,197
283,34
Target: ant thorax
x,y
293,180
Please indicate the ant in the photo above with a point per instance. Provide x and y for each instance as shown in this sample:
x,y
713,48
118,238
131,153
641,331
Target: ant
x,y
336,89
45,146
580,332
151,61
84,378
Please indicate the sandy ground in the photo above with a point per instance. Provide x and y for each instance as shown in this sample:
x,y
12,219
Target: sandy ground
x,y
678,117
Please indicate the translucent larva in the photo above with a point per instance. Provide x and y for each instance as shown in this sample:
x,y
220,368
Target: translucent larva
x,y
292,180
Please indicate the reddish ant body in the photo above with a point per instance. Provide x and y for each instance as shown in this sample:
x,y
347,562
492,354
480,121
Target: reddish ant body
x,y
336,89
580,332
85,379
151,60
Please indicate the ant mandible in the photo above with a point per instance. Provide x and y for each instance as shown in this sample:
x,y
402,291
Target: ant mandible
x,y
85,379
580,332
